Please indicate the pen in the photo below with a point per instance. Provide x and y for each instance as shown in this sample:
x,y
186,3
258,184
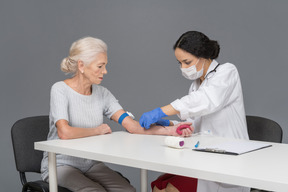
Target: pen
x,y
197,144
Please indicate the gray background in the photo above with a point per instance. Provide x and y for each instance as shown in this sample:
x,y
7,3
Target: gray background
x,y
142,71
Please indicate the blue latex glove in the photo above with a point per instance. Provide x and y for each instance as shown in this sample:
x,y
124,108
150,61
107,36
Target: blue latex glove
x,y
163,122
151,117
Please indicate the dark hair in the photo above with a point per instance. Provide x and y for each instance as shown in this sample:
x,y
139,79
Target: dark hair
x,y
198,44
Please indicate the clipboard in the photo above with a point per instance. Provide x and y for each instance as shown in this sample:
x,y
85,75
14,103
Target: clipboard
x,y
236,147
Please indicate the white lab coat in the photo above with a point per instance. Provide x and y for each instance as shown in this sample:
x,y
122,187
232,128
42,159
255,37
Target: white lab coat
x,y
216,105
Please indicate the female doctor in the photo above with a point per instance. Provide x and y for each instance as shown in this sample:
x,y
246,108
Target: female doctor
x,y
214,102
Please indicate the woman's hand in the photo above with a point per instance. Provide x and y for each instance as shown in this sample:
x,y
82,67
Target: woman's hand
x,y
104,129
186,132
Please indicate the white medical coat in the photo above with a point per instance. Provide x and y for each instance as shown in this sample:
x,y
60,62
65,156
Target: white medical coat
x,y
216,105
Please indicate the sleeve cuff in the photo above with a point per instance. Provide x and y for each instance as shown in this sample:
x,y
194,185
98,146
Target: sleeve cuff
x,y
179,106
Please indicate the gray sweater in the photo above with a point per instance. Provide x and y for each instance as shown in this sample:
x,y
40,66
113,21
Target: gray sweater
x,y
84,111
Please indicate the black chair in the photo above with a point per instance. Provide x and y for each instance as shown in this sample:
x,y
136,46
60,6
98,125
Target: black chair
x,y
263,129
24,133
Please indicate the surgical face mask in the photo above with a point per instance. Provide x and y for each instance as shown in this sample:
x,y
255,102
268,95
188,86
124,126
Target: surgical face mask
x,y
191,72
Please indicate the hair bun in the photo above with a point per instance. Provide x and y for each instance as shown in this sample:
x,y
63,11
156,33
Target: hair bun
x,y
215,49
67,66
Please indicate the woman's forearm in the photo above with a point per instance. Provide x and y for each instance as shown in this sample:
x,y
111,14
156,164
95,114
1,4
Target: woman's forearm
x,y
65,131
134,127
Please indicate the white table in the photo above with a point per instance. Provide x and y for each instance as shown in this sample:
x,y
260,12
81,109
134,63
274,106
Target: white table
x,y
263,169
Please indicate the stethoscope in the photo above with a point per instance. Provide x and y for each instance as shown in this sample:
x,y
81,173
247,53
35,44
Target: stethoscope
x,y
212,72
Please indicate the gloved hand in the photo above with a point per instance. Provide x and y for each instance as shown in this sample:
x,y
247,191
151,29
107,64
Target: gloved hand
x,y
151,117
163,122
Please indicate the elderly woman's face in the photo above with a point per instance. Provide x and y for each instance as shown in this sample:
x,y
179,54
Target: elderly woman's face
x,y
95,71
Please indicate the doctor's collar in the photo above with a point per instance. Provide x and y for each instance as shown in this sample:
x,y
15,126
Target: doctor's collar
x,y
212,69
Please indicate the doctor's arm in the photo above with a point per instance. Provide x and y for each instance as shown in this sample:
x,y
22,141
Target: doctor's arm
x,y
210,97
221,90
169,110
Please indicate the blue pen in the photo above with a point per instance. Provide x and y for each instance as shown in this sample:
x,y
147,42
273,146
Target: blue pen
x,y
197,144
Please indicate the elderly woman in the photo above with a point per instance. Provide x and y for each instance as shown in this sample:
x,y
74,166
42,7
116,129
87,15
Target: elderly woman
x,y
77,107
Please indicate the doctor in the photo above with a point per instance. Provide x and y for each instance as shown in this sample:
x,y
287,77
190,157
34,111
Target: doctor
x,y
214,102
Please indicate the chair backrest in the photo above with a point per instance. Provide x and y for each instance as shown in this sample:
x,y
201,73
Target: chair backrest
x,y
24,133
263,129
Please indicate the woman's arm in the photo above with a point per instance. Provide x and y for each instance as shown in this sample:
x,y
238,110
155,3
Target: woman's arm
x,y
134,127
65,131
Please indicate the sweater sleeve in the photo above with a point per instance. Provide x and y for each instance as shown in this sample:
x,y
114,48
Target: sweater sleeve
x,y
111,104
58,103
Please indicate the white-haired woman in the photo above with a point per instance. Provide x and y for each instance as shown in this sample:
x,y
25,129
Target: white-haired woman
x,y
77,106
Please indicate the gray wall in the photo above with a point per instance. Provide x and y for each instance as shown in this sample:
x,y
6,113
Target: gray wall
x,y
142,70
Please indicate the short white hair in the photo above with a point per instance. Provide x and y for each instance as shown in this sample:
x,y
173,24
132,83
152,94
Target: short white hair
x,y
84,49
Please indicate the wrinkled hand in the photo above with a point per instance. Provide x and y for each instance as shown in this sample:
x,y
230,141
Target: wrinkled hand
x,y
151,117
104,129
